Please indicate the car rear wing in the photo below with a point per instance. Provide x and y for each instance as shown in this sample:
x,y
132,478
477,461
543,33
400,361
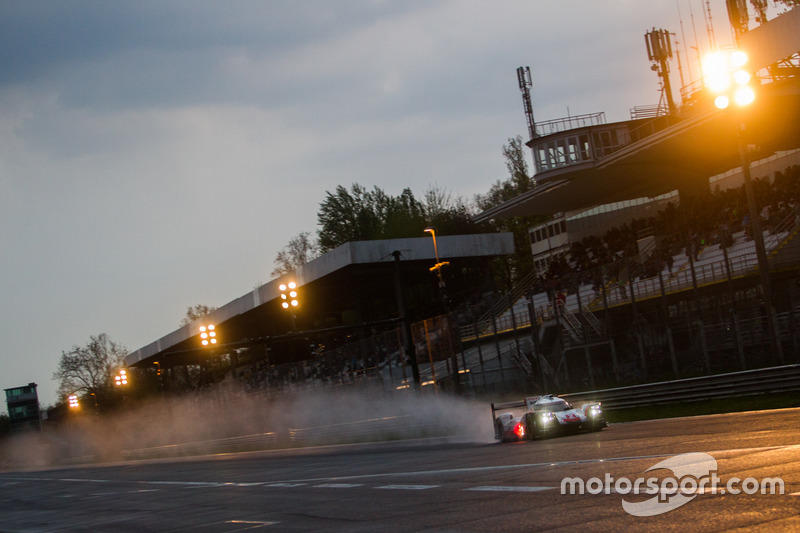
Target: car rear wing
x,y
527,403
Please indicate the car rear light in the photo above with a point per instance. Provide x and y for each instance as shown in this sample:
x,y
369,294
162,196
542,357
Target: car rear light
x,y
519,430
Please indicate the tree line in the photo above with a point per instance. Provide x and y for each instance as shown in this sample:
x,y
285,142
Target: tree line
x,y
362,214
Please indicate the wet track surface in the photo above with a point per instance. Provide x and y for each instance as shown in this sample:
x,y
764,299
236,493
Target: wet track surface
x,y
425,485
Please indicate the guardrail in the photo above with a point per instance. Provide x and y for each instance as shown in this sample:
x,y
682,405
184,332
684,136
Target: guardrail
x,y
778,379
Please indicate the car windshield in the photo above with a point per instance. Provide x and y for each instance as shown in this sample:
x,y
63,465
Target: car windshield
x,y
552,407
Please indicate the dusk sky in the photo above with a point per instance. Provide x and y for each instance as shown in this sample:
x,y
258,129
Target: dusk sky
x,y
156,155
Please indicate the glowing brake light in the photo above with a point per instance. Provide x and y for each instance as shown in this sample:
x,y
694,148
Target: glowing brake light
x,y
519,430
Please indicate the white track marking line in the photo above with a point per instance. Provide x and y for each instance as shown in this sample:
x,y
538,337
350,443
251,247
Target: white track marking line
x,y
510,489
408,487
299,482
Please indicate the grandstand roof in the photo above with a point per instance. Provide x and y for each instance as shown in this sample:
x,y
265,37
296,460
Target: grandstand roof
x,y
243,317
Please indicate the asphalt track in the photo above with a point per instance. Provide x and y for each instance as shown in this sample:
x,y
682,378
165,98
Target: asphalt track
x,y
428,485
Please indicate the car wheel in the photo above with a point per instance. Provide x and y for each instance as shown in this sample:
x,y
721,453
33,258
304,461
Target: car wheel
x,y
530,426
498,431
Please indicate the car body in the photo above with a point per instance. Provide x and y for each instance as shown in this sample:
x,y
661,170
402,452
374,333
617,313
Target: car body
x,y
545,416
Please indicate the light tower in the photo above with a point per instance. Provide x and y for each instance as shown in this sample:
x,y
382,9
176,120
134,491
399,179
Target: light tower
x,y
290,300
525,83
208,335
121,378
289,295
728,79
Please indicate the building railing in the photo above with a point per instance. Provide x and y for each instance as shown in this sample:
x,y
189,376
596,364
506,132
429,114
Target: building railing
x,y
705,272
558,125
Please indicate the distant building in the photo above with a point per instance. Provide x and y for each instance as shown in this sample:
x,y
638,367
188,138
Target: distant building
x,y
23,408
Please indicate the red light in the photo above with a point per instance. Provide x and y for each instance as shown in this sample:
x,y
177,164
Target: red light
x,y
519,429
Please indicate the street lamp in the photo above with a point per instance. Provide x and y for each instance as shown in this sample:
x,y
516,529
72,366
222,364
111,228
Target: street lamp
x,y
728,80
438,266
208,336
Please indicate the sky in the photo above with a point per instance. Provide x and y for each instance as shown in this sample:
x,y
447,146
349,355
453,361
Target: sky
x,y
155,155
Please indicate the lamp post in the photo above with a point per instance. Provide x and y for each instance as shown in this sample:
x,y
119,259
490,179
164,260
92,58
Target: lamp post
x,y
729,82
438,266
443,293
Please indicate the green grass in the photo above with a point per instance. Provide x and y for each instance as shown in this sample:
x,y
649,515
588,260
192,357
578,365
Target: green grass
x,y
707,407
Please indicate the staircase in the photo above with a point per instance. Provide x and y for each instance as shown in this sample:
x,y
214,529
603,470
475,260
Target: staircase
x,y
516,293
581,328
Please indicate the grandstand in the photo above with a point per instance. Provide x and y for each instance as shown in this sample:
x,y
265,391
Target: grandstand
x,y
653,270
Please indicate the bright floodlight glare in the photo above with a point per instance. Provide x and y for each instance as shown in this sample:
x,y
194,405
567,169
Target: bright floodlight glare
x,y
718,82
293,294
282,287
295,303
738,59
207,335
723,76
741,77
714,62
285,305
292,284
744,96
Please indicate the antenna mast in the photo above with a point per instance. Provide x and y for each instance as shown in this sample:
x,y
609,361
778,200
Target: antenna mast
x,y
712,41
524,79
659,51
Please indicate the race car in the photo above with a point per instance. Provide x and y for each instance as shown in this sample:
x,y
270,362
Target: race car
x,y
545,416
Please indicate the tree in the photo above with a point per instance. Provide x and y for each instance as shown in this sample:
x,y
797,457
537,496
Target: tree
x,y
518,183
196,312
90,369
300,250
450,216
361,215
346,216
